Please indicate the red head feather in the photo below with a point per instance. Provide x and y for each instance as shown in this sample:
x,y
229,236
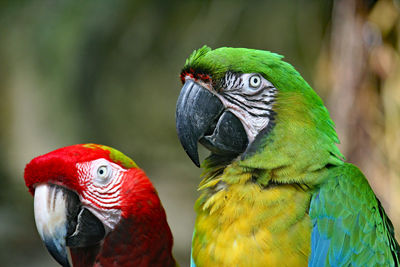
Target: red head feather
x,y
59,166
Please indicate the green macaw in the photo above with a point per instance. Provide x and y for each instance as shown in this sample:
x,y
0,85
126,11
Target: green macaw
x,y
275,190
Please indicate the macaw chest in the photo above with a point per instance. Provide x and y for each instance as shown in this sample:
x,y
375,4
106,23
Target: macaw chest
x,y
247,225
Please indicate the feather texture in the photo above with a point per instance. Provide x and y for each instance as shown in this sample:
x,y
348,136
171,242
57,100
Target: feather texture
x,y
350,225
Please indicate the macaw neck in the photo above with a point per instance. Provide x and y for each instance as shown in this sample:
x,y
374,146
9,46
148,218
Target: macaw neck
x,y
82,257
142,237
301,140
134,242
138,241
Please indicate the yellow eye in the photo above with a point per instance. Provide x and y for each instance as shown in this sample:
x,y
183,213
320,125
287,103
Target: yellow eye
x,y
255,81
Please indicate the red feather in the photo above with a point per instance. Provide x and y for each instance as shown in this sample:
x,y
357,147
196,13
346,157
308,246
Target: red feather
x,y
143,237
59,166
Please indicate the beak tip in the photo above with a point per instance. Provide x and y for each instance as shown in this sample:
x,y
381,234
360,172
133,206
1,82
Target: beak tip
x,y
189,144
196,162
58,251
193,155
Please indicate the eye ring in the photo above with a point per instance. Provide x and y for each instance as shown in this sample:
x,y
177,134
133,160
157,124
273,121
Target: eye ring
x,y
255,81
103,174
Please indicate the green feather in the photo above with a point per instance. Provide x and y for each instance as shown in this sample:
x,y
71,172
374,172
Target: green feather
x,y
347,211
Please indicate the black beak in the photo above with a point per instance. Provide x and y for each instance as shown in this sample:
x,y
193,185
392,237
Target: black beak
x,y
61,221
201,116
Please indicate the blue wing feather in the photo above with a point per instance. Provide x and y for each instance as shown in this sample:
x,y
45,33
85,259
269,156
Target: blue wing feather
x,y
192,264
319,247
349,226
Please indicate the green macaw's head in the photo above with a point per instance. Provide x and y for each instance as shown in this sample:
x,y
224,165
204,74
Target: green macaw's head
x,y
252,104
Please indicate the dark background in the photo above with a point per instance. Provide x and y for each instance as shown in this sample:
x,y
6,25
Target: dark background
x,y
108,72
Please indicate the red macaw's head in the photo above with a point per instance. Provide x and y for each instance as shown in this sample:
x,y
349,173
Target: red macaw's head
x,y
95,201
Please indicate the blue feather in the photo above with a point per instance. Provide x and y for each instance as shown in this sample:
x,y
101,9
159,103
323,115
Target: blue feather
x,y
319,247
192,264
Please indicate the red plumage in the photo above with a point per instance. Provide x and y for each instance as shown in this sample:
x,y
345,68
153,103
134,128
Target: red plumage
x,y
59,167
142,236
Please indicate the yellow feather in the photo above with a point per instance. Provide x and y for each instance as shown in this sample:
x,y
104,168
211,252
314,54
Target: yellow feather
x,y
244,224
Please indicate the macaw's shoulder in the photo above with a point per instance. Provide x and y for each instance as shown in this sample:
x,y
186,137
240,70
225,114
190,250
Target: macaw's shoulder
x,y
350,227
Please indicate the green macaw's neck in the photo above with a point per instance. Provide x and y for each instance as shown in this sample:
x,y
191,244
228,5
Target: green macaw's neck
x,y
238,217
302,141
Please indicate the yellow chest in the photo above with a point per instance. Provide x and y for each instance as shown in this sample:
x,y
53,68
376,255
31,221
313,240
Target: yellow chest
x,y
246,225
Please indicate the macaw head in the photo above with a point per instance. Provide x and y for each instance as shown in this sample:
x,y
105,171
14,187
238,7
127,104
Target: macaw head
x,y
252,104
95,201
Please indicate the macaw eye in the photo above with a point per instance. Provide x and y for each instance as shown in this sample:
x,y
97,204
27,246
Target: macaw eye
x,y
255,81
104,173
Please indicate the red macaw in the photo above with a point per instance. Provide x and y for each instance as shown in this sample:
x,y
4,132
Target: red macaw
x,y
95,201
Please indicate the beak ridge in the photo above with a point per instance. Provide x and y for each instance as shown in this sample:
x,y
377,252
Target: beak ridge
x,y
53,208
196,110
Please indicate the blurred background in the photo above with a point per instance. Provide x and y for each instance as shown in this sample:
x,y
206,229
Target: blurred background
x,y
108,72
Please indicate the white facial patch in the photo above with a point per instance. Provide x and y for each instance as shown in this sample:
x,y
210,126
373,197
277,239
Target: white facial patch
x,y
102,181
249,97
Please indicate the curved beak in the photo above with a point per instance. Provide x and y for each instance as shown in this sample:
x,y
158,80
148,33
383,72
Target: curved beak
x,y
52,218
61,221
201,116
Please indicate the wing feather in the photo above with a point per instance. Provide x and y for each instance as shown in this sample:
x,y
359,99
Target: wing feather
x,y
350,227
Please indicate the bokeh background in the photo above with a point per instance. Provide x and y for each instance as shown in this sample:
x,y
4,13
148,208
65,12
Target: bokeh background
x,y
107,72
